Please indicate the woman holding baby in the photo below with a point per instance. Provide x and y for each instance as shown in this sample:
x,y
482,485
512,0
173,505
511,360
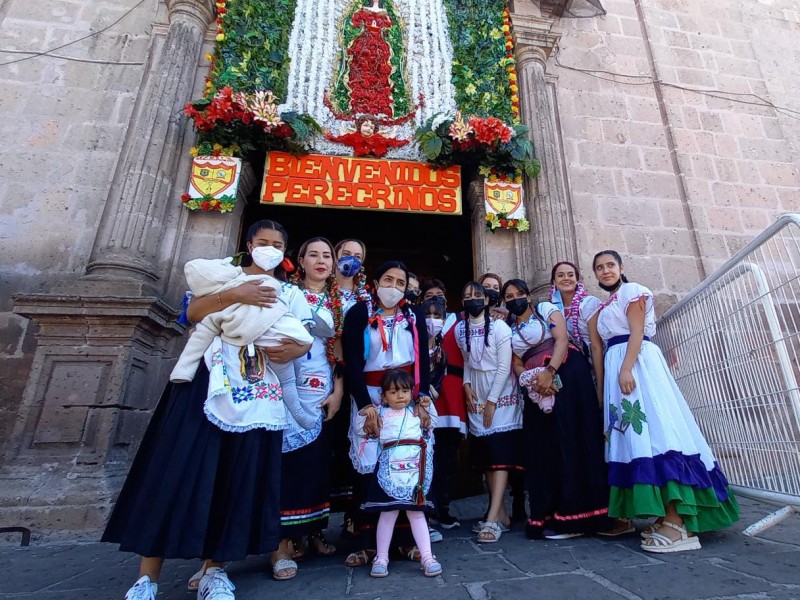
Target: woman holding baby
x,y
203,489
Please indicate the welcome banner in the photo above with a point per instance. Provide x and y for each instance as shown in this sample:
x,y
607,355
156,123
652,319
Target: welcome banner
x,y
360,183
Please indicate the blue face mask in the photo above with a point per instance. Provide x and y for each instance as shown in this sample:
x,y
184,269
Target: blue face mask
x,y
348,266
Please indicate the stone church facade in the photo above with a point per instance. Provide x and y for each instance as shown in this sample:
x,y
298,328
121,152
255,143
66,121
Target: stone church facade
x,y
667,129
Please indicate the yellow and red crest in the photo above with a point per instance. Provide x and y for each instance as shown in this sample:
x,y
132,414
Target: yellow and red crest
x,y
211,175
502,196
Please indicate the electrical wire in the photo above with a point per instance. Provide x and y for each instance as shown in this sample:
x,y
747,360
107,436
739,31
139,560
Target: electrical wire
x,y
738,97
86,37
71,58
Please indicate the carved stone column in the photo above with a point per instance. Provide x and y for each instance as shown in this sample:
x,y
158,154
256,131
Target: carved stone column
x,y
130,238
105,342
551,237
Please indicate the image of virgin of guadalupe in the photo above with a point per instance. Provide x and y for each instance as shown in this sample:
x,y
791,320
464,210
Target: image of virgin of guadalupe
x,y
401,47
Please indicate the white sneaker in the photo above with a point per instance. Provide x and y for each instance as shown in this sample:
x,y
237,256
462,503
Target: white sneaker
x,y
435,535
143,589
215,585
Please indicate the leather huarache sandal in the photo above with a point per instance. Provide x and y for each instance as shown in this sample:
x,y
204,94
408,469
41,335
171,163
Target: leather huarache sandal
x,y
661,544
359,559
621,527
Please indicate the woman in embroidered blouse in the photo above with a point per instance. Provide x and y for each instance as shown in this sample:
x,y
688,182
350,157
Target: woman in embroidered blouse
x,y
659,463
379,335
493,406
305,482
233,507
564,465
568,293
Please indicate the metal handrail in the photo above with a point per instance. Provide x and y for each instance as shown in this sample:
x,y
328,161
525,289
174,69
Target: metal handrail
x,y
762,237
734,343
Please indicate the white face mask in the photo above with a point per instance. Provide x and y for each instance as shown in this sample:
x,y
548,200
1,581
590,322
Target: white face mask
x,y
434,326
390,296
267,257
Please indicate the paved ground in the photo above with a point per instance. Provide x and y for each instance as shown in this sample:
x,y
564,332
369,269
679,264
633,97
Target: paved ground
x,y
729,566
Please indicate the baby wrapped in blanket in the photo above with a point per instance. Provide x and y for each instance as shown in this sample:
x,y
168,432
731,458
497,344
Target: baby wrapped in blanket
x,y
243,325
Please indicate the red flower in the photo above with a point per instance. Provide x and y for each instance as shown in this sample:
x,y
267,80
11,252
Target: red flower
x,y
205,206
314,382
186,197
283,130
503,223
490,130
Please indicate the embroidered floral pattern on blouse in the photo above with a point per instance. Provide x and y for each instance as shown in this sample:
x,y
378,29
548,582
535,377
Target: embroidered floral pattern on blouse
x,y
216,358
318,300
508,400
261,391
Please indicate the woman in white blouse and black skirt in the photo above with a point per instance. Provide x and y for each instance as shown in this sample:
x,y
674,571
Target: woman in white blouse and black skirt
x,y
493,404
565,470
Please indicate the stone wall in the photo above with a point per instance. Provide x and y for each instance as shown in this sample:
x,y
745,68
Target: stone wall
x,y
63,124
678,180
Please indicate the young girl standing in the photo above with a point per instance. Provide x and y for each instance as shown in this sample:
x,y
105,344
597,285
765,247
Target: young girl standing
x,y
659,463
495,412
402,476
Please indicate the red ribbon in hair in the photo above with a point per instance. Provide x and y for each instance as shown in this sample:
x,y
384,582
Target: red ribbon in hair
x,y
287,265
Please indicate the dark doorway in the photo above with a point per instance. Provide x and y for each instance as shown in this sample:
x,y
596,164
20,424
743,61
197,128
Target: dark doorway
x,y
432,246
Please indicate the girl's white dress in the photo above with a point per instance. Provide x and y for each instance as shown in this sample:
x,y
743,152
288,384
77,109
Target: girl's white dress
x,y
655,450
403,473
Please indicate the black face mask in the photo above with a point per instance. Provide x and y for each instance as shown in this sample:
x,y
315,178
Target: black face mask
x,y
615,287
517,306
474,307
411,296
492,297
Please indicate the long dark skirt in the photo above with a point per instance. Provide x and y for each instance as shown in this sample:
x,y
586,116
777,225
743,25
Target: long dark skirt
x,y
305,487
445,467
342,471
565,468
195,491
497,452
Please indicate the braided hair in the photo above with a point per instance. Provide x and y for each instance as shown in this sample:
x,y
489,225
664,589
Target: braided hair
x,y
332,290
477,290
579,294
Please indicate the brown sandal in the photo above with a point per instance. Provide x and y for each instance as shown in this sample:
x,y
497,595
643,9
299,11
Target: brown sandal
x,y
319,545
360,558
298,549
